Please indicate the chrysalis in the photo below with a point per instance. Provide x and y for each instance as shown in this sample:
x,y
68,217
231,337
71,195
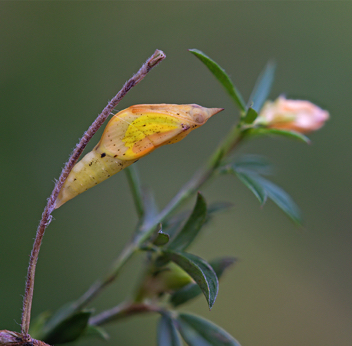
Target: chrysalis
x,y
130,135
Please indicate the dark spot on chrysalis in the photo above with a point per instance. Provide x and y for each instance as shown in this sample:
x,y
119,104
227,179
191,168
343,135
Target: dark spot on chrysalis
x,y
115,155
75,179
102,155
108,175
90,163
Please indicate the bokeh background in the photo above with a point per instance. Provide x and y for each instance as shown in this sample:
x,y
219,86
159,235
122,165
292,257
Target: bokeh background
x,y
62,61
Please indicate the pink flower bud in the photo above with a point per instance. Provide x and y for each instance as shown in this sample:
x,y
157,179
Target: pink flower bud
x,y
295,115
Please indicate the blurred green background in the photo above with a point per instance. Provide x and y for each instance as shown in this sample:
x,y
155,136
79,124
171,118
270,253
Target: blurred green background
x,y
60,64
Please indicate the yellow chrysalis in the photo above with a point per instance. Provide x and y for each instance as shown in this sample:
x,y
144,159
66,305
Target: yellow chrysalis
x,y
130,135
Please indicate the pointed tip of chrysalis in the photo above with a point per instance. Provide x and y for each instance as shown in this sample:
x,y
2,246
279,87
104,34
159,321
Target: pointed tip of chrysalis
x,y
216,110
213,111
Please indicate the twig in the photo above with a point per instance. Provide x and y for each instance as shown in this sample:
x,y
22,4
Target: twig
x,y
121,311
154,60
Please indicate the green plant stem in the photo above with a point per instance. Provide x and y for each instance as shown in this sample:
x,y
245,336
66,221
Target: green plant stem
x,y
135,186
121,311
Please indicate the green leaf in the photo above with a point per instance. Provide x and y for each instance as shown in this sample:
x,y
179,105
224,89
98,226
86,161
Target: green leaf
x,y
68,329
36,328
252,183
161,238
96,332
167,333
192,227
263,188
192,290
200,271
60,315
185,294
250,116
198,331
260,131
252,164
281,199
219,207
222,77
262,87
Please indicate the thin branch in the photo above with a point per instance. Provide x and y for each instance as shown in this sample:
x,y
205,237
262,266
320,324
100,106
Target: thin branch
x,y
122,310
154,60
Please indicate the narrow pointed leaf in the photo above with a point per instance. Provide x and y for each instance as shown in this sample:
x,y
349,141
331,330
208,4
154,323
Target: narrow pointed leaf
x,y
167,333
68,329
192,227
253,164
262,131
96,332
222,77
192,291
200,271
185,294
250,116
281,199
252,183
36,328
59,316
262,87
219,207
198,331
